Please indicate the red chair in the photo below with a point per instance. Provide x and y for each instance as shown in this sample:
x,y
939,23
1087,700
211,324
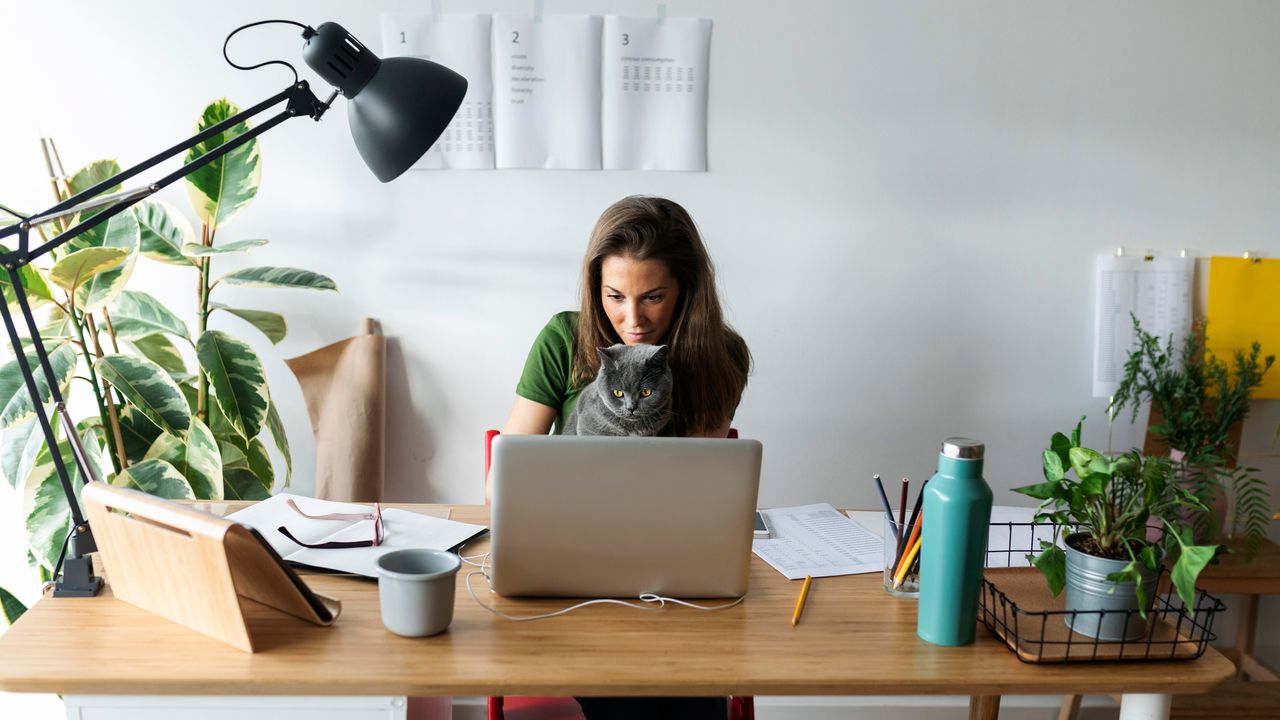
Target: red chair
x,y
533,707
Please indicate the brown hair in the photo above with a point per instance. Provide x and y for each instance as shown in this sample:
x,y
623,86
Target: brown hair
x,y
709,361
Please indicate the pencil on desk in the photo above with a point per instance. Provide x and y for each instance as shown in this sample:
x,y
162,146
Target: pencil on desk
x,y
804,594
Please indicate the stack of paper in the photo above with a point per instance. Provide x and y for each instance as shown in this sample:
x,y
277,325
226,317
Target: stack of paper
x,y
401,529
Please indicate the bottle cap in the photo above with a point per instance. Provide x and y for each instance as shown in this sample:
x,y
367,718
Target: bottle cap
x,y
963,448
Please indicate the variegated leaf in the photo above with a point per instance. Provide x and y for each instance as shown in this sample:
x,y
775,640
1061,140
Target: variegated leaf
x,y
238,381
279,277
159,478
123,232
146,386
12,606
85,178
271,324
18,451
137,431
196,458
282,441
164,232
225,186
137,314
33,284
161,351
48,516
15,401
75,269
198,250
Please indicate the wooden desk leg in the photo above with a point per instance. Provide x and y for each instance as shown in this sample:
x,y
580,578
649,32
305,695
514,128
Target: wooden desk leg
x,y
984,707
1246,626
1142,706
1070,709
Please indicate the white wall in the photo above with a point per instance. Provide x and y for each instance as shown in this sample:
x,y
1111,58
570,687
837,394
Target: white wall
x,y
904,201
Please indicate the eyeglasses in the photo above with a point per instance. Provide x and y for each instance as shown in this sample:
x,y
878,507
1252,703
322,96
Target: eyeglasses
x,y
379,532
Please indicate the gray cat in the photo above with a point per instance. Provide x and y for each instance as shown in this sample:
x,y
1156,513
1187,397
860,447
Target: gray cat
x,y
631,394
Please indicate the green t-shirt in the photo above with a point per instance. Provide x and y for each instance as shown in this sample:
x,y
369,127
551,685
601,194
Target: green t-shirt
x,y
548,371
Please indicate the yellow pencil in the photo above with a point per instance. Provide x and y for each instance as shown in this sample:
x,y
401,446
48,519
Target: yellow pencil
x,y
804,594
906,564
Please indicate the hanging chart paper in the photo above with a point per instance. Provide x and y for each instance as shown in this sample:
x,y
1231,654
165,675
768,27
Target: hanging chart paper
x,y
1157,291
654,93
1244,308
546,91
461,43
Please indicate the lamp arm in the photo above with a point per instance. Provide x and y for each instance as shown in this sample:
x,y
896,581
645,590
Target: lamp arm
x,y
301,101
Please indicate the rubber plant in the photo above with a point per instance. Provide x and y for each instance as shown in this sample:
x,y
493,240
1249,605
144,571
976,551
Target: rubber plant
x,y
162,425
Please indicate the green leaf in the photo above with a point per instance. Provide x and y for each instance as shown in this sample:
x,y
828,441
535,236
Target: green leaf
x,y
1191,561
1061,446
159,478
238,381
146,386
137,314
244,485
271,324
15,401
75,269
1052,562
225,186
161,351
121,231
247,472
1094,484
33,283
48,515
196,458
1080,459
1075,434
198,250
1130,573
1040,491
282,441
18,452
1053,468
137,431
13,607
164,231
278,277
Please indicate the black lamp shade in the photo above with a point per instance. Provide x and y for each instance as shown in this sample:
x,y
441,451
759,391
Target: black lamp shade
x,y
402,111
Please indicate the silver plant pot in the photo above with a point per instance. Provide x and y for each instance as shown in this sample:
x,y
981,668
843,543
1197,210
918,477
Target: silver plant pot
x,y
1089,590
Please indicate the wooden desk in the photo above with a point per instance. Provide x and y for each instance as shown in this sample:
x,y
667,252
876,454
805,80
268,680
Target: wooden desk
x,y
854,639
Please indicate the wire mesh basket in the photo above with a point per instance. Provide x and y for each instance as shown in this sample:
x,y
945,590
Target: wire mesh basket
x,y
1018,608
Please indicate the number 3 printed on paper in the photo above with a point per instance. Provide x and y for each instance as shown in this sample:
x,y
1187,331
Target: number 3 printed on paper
x,y
626,38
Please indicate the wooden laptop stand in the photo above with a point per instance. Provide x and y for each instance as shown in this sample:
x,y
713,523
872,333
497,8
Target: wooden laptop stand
x,y
191,567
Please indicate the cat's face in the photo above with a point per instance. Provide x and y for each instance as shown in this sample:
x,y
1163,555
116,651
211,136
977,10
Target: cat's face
x,y
635,380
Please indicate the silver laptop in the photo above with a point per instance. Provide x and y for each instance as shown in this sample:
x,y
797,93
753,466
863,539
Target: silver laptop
x,y
617,517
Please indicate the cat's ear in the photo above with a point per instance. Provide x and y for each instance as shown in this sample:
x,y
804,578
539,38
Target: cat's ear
x,y
606,357
659,357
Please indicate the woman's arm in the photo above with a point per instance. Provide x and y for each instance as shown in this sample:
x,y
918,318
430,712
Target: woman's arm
x,y
527,418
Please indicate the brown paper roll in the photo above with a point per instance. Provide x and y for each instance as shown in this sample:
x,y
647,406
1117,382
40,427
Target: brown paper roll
x,y
344,388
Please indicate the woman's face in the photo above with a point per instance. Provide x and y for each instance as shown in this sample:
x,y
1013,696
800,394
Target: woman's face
x,y
639,297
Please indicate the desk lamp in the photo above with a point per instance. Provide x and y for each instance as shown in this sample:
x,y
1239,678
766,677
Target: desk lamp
x,y
396,107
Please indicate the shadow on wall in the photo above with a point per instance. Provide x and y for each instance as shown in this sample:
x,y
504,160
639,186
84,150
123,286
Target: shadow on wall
x,y
410,442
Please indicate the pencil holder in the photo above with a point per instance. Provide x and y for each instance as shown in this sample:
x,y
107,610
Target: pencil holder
x,y
896,552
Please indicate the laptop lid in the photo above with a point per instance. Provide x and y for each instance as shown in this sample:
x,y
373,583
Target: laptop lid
x,y
621,516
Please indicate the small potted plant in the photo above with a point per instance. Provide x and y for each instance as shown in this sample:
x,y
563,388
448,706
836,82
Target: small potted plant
x,y
1121,519
1198,401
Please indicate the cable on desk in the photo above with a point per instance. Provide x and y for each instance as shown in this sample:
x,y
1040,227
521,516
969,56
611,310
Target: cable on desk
x,y
653,602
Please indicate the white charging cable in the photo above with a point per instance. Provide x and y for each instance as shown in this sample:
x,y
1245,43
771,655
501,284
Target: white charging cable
x,y
652,602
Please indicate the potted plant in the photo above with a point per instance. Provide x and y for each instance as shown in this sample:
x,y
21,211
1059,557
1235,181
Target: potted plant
x,y
1121,520
1197,402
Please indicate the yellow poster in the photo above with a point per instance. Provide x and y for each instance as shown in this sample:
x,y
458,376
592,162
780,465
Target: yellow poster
x,y
1244,307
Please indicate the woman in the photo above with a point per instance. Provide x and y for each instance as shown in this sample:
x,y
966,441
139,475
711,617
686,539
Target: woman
x,y
646,278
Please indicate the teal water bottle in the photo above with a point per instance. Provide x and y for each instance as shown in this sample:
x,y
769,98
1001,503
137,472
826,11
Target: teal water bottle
x,y
953,544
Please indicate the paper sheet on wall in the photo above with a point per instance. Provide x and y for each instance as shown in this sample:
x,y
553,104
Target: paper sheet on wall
x,y
546,91
817,540
461,43
1157,291
654,83
1244,307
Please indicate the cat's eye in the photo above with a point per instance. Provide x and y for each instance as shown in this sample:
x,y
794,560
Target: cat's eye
x,y
646,392
618,393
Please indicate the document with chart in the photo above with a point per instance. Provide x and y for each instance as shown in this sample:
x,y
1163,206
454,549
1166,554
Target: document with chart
x,y
546,91
461,43
817,540
654,88
1157,291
